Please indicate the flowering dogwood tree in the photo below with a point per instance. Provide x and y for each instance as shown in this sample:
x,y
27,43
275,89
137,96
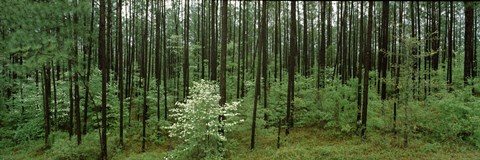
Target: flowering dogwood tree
x,y
196,123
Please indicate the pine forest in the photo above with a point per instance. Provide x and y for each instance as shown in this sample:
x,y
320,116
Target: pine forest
x,y
232,79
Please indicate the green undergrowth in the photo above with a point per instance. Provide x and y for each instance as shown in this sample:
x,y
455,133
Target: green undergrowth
x,y
311,142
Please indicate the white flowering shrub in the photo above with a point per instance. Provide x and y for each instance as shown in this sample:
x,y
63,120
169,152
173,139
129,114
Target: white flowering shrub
x,y
196,123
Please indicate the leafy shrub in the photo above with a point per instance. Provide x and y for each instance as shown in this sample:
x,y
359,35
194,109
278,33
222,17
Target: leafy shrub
x,y
196,123
62,148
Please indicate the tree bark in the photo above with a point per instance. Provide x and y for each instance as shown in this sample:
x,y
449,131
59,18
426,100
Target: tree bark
x,y
185,51
120,67
291,66
468,66
367,67
103,60
145,80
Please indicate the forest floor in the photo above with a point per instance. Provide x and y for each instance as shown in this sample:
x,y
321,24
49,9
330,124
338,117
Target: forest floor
x,y
302,143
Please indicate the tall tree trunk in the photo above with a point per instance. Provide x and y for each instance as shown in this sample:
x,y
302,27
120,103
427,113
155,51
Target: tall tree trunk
x,y
305,43
89,61
165,62
46,105
185,51
158,62
109,48
367,67
264,39
384,50
240,51
213,55
203,38
469,56
72,102
223,63
78,127
120,67
103,60
244,48
450,47
397,66
276,40
257,79
145,80
291,66
359,71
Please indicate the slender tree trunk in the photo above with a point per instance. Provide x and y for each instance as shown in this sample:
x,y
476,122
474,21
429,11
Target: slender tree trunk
x,y
276,42
213,58
321,55
291,66
185,51
55,119
384,50
450,47
223,63
78,128
257,80
240,51
203,38
397,66
72,103
109,48
264,39
165,62
359,71
89,61
145,80
101,52
245,49
46,90
367,67
305,43
120,67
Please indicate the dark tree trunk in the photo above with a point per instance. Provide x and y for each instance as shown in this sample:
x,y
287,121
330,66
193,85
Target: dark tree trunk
x,y
185,51
264,39
72,103
468,66
145,80
103,60
120,67
203,44
321,54
240,52
213,55
367,67
257,79
109,48
276,40
384,49
397,66
89,61
291,66
78,127
223,63
244,48
165,62
158,62
305,43
359,71
46,105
